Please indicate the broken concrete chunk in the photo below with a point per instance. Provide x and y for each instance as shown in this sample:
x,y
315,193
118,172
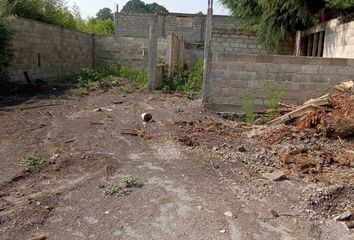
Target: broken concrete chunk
x,y
39,238
275,176
229,214
344,216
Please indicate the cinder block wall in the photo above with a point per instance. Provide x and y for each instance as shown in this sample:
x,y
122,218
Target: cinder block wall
x,y
243,41
191,26
47,51
339,41
126,51
231,75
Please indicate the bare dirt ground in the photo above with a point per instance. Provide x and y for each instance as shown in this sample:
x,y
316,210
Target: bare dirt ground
x,y
194,166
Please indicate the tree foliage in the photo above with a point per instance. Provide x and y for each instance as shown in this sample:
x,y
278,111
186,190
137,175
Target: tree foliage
x,y
137,6
104,14
57,12
274,20
54,12
5,45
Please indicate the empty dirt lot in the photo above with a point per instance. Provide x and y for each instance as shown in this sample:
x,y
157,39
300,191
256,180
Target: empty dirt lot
x,y
193,167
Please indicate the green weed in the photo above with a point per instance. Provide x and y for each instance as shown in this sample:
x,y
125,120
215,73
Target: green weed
x,y
248,106
124,187
109,115
273,96
182,78
80,92
125,89
31,160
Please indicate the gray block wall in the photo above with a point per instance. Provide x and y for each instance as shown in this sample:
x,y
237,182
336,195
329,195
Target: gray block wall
x,y
48,52
191,26
126,51
243,41
232,75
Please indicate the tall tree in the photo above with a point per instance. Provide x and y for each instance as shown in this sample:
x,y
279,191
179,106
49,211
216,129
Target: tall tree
x,y
137,6
104,14
274,20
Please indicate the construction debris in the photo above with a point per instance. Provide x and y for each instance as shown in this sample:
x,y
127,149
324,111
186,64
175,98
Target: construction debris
x,y
344,216
275,176
331,114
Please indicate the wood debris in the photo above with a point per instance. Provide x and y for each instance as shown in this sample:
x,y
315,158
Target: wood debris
x,y
332,114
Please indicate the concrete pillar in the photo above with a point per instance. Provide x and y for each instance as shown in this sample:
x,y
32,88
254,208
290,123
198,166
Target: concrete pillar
x,y
116,27
207,54
152,52
315,44
320,44
298,43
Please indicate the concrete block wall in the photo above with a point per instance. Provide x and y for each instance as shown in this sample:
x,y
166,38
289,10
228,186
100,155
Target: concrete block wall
x,y
243,41
232,74
191,26
48,52
339,39
126,51
132,24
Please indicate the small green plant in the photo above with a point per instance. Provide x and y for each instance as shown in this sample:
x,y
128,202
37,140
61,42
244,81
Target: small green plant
x,y
109,115
273,96
138,77
125,89
124,187
248,106
31,160
80,92
89,75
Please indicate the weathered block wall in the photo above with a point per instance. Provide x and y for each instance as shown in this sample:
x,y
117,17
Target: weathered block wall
x,y
231,75
191,26
338,38
339,41
48,52
243,41
126,51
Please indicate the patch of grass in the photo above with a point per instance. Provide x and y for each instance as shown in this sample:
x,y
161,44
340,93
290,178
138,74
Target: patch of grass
x,y
31,161
248,106
81,92
109,76
124,187
109,115
125,89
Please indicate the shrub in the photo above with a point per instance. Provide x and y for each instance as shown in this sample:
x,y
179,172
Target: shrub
x,y
183,79
195,78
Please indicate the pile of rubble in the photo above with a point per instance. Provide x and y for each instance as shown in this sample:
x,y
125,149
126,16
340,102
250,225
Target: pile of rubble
x,y
331,114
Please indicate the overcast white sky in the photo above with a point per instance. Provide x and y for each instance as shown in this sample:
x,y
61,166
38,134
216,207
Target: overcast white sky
x,y
90,7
